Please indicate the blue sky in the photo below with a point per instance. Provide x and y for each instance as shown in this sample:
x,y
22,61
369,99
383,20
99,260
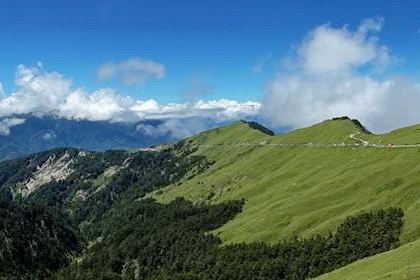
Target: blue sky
x,y
208,50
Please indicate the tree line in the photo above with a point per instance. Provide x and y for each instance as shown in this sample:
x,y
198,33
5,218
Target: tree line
x,y
148,240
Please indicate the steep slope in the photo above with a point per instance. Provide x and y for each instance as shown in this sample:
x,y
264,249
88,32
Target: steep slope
x,y
400,263
79,188
301,188
239,133
87,184
304,183
35,240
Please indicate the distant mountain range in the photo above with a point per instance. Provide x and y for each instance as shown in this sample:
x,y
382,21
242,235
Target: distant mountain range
x,y
25,134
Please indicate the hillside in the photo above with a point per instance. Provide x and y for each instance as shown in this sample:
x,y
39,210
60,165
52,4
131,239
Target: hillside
x,y
310,186
239,133
303,188
300,188
292,192
400,263
64,195
403,136
334,131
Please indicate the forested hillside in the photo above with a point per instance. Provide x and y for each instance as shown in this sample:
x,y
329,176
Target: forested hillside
x,y
254,206
35,240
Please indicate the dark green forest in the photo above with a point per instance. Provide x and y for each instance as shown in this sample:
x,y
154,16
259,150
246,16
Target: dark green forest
x,y
114,231
147,240
34,240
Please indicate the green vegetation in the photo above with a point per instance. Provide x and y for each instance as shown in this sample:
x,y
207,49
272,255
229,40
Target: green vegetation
x,y
406,135
147,240
237,133
400,263
302,188
261,206
34,240
38,239
90,190
335,131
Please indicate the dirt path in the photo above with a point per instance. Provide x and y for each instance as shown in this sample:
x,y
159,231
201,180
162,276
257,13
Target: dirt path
x,y
367,143
353,136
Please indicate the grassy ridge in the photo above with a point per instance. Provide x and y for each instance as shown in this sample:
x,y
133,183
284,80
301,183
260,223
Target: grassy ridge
x,y
326,132
406,135
237,133
303,189
309,189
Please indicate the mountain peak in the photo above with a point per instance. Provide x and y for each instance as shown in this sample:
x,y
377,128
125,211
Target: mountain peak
x,y
258,126
237,132
336,130
356,122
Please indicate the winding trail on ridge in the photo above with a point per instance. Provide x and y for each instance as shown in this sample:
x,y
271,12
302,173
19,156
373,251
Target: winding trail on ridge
x,y
364,142
367,143
353,136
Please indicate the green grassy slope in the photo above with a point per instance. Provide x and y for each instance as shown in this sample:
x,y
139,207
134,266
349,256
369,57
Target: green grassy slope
x,y
406,135
329,131
401,263
301,188
237,133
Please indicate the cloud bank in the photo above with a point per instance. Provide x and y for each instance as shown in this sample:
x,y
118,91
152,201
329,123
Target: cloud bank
x,y
177,128
338,71
45,93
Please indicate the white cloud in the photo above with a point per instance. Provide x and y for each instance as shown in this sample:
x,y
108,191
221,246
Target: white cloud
x,y
49,135
103,104
338,76
203,115
44,93
225,109
132,71
37,91
300,101
327,50
7,123
176,128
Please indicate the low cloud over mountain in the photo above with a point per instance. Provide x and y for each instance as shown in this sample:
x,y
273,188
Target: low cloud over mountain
x,y
339,71
43,93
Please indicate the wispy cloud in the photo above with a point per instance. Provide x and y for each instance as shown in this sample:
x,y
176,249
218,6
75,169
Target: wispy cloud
x,y
131,71
338,75
261,62
196,87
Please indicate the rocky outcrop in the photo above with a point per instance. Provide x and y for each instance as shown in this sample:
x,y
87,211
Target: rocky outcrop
x,y
55,168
